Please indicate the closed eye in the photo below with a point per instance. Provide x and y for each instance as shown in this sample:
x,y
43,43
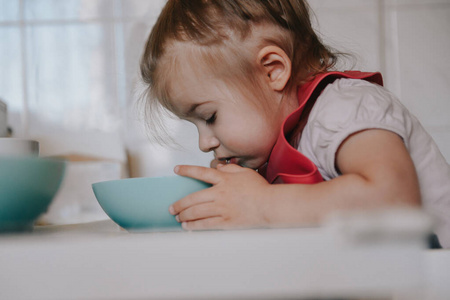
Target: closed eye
x,y
211,120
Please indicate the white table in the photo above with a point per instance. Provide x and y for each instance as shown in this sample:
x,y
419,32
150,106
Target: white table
x,y
100,261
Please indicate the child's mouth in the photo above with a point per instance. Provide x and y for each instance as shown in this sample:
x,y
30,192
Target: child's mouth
x,y
229,160
235,161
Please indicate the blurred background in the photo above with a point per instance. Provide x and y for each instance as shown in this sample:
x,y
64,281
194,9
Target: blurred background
x,y
70,79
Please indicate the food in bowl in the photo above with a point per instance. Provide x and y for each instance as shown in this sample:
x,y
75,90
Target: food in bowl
x,y
142,204
27,188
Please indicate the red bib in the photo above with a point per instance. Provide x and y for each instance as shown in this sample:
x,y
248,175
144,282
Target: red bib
x,y
286,164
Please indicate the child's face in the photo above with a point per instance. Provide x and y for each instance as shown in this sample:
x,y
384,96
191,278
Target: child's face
x,y
228,122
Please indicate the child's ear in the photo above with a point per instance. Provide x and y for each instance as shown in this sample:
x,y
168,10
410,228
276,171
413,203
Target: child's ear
x,y
276,66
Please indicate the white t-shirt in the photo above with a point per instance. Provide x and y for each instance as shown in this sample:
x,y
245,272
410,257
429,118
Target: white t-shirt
x,y
347,106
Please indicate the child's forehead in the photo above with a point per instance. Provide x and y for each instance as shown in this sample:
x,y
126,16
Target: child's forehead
x,y
184,68
184,61
187,65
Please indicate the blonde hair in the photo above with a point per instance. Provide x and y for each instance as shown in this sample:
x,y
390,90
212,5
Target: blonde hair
x,y
218,28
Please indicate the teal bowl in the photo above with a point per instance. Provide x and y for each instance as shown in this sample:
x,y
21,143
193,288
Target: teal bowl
x,y
142,204
27,187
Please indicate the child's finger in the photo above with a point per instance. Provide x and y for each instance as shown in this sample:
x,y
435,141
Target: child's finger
x,y
203,224
230,168
198,212
205,174
190,200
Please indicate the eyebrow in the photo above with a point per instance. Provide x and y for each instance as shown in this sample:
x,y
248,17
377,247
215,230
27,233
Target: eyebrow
x,y
192,109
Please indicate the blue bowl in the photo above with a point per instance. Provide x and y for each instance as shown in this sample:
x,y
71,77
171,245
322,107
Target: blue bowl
x,y
27,187
142,204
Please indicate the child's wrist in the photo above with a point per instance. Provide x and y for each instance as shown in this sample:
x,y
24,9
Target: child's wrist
x,y
267,206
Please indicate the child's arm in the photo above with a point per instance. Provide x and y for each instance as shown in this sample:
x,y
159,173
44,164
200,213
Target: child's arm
x,y
376,171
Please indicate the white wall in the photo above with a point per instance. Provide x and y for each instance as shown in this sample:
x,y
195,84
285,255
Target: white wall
x,y
70,69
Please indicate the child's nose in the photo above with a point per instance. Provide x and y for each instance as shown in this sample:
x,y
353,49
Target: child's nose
x,y
208,142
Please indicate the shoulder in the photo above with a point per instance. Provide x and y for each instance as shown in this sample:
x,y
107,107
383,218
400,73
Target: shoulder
x,y
354,104
345,107
350,95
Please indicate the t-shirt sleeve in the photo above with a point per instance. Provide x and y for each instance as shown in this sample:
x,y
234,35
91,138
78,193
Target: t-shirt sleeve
x,y
348,106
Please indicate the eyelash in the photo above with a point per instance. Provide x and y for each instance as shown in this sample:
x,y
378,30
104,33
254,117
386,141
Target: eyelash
x,y
211,120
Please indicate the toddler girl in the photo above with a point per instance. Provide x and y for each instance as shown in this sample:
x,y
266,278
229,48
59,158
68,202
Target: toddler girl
x,y
258,84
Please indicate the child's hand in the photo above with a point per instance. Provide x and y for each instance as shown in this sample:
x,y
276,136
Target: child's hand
x,y
234,201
